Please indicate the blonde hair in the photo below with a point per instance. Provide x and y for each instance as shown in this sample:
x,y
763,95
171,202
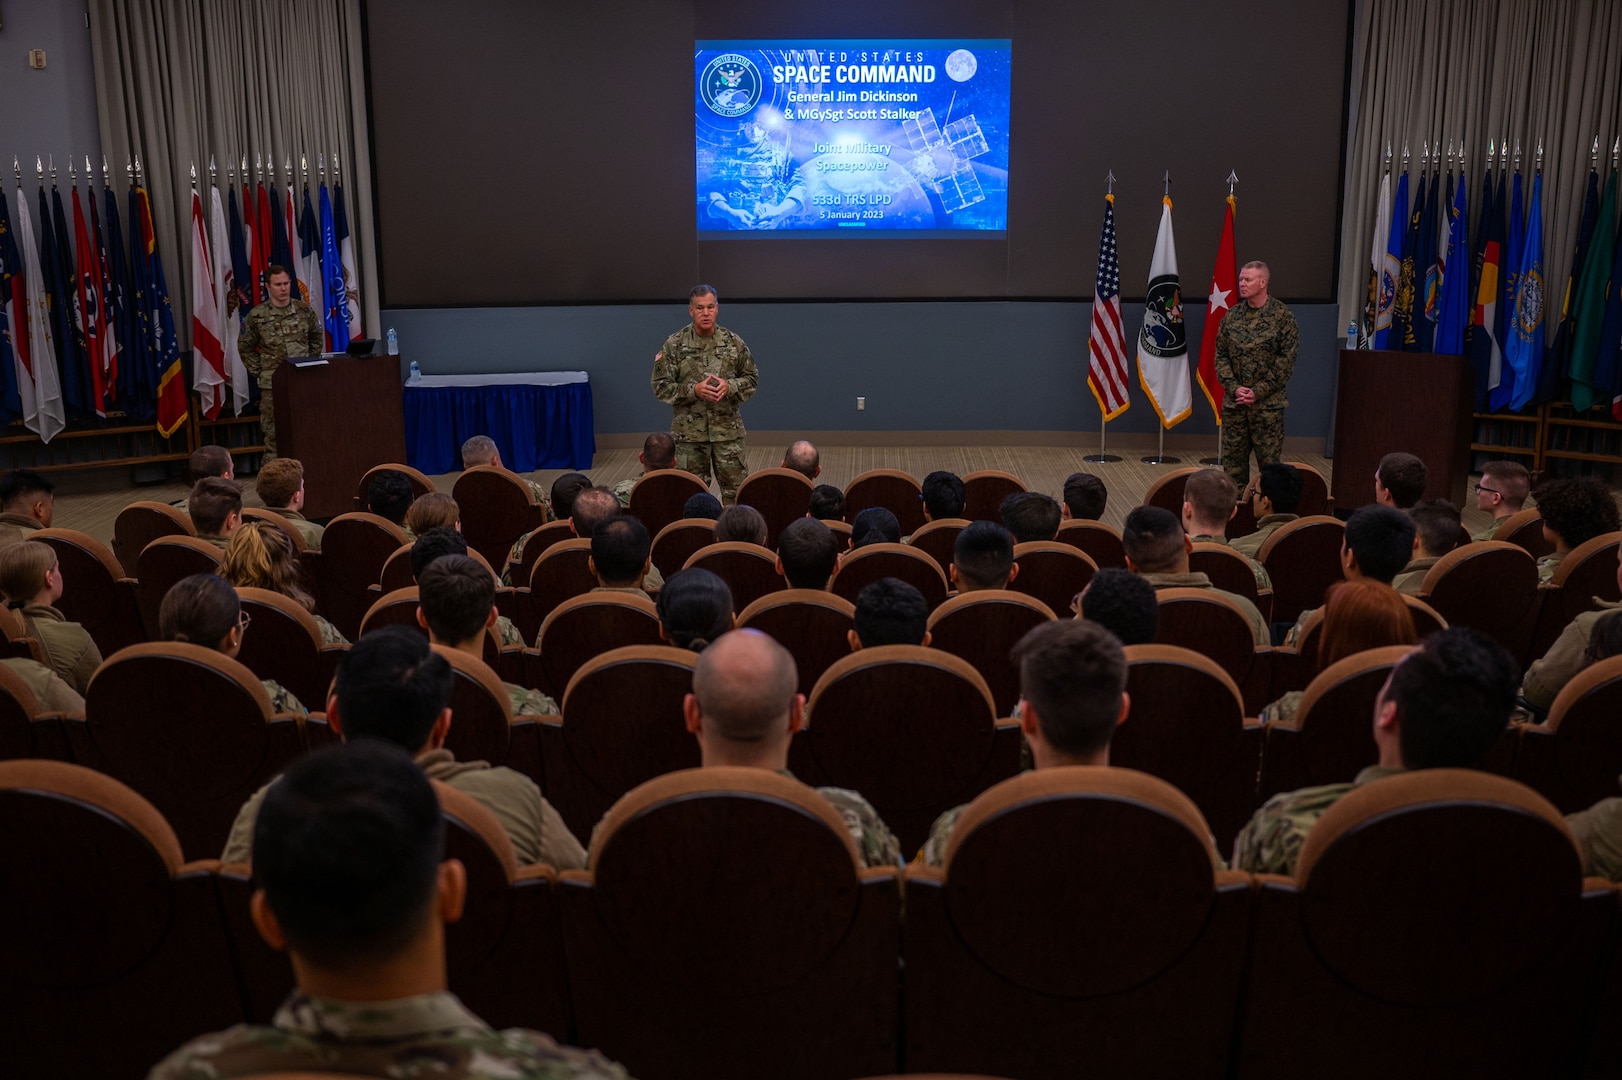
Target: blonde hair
x,y
23,568
260,556
432,510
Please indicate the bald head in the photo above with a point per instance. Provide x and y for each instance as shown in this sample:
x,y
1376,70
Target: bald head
x,y
803,458
745,685
592,507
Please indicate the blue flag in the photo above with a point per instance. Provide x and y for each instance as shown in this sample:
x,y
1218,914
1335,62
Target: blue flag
x,y
332,268
1391,268
11,266
1526,335
1424,322
138,389
241,269
1514,248
281,248
56,266
1453,303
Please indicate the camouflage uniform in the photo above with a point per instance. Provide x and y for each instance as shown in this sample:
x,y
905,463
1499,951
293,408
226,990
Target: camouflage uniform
x,y
1547,566
1284,709
309,530
622,491
429,1035
1492,527
507,633
1411,577
68,648
15,528
52,694
269,336
1566,657
1255,347
709,435
1271,842
282,699
1196,580
1263,579
1598,831
330,635
1251,544
221,542
527,702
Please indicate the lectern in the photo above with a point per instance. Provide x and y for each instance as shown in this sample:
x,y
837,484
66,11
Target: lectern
x,y
339,418
1418,402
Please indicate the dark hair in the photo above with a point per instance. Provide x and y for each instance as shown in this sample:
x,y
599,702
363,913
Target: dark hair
x,y
1454,694
212,500
1086,496
695,608
1514,482
1030,515
278,481
983,554
702,505
891,612
1577,509
389,495
456,595
591,506
276,268
875,525
702,290
18,483
943,495
619,549
803,458
200,609
440,540
1073,672
1604,640
1437,522
215,460
827,503
810,553
1282,486
1123,603
658,450
392,686
347,847
1381,539
564,489
742,523
1403,475
1213,495
1152,538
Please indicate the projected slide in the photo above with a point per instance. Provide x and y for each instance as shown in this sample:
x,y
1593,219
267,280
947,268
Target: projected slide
x,y
823,139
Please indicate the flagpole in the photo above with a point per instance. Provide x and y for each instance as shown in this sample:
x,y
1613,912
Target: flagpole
x,y
1103,421
1233,179
1160,457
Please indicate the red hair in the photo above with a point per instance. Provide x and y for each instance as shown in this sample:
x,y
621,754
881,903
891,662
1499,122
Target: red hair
x,y
1361,615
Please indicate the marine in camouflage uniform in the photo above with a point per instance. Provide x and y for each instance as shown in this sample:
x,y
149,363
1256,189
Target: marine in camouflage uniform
x,y
1250,545
428,1035
1255,347
622,491
1598,831
1270,843
282,699
877,844
709,434
270,335
527,702
1264,580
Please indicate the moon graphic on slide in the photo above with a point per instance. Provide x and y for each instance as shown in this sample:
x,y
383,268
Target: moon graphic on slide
x,y
961,65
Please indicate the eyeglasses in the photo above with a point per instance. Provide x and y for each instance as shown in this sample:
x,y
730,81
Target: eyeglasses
x,y
242,622
1486,490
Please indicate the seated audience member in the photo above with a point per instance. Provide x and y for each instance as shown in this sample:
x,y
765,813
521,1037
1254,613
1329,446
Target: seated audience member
x,y
803,458
482,450
1598,829
27,503
1574,511
1275,496
1444,706
889,612
875,525
1122,603
695,608
827,503
1084,497
982,558
564,490
215,506
702,505
443,540
392,688
595,505
456,602
1210,500
744,710
1436,532
431,511
280,484
741,523
1358,616
1157,547
1072,696
1501,492
31,580
1399,482
1031,516
619,555
260,556
389,496
209,460
347,852
658,452
1377,544
807,554
204,609
943,495
50,692
1585,640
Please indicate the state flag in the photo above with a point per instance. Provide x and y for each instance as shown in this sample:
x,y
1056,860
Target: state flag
x,y
1526,340
346,254
1486,357
208,355
236,374
1453,298
88,309
1391,271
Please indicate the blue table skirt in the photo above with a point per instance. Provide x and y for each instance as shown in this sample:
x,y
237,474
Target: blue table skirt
x,y
536,427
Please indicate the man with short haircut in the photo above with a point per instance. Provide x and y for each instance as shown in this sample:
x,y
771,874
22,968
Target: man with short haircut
x,y
702,505
1210,501
803,458
456,602
349,882
281,487
889,612
658,452
595,505
807,554
564,490
982,558
1072,696
389,496
27,504
1031,516
1085,497
704,372
875,525
1574,511
216,510
827,503
1122,603
1444,706
741,524
744,711
444,540
1436,532
1256,345
619,555
482,450
943,495
1275,496
1399,482
1157,548
1501,492
393,688
210,460
1377,543
281,327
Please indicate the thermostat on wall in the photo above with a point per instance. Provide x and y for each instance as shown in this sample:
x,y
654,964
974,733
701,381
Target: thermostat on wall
x,y
36,59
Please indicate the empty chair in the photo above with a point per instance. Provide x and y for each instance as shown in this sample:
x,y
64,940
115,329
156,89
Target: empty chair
x,y
659,496
1315,497
1303,559
420,484
1574,757
1098,541
676,542
1051,572
1213,625
586,626
497,507
1491,586
1230,572
140,523
981,627
1080,912
860,568
354,548
725,927
25,730
98,595
162,563
1330,738
896,491
749,570
938,538
812,625
985,489
913,729
1166,491
1524,528
111,925
1444,900
781,496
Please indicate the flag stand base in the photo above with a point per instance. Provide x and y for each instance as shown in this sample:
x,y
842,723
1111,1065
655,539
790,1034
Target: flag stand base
x,y
1218,459
1102,457
1160,457
1103,427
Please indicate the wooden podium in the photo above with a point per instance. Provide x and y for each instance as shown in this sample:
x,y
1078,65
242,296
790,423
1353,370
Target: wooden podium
x,y
1388,401
339,418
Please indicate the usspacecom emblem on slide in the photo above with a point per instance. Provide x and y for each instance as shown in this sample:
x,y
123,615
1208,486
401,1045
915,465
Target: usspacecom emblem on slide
x,y
730,85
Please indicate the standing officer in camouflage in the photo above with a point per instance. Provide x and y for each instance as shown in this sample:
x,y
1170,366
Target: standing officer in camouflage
x,y
1255,357
704,372
281,327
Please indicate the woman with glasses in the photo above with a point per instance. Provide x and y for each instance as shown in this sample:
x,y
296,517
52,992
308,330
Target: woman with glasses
x,y
204,610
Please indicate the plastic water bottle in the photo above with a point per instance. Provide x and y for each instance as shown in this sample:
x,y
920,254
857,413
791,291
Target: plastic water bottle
x,y
416,374
1351,336
394,342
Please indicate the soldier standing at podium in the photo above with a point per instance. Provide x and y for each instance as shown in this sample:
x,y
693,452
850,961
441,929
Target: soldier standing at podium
x,y
281,327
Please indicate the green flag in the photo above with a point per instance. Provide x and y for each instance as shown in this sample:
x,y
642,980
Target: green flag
x,y
1588,310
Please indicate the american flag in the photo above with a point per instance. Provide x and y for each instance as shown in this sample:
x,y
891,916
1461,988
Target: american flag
x,y
1106,375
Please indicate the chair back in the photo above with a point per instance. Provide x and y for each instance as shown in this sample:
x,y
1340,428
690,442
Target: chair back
x,y
1587,574
161,564
1230,572
396,573
98,594
980,628
749,570
1212,624
420,485
1303,559
677,541
1098,541
1574,757
24,733
1524,528
1491,586
586,626
938,540
271,517
1051,572
860,568
283,643
1166,490
561,572
354,548
142,522
898,492
983,493
811,624
658,497
1315,498
1330,740
497,507
539,541
781,495
482,716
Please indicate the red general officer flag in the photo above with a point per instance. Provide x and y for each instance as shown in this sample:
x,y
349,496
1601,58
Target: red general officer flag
x,y
1224,289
